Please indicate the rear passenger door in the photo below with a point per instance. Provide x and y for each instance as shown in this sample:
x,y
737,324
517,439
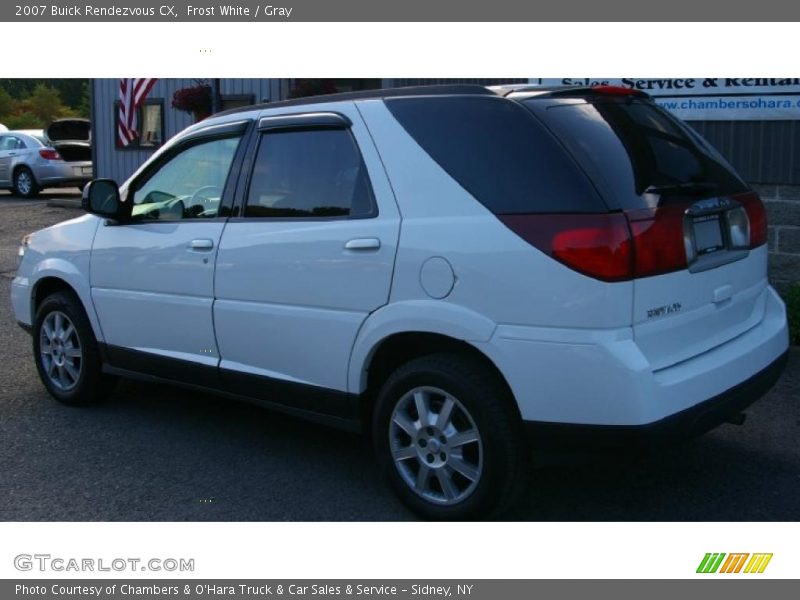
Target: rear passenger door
x,y
309,255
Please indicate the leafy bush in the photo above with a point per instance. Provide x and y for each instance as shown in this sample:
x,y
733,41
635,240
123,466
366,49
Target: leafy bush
x,y
45,102
6,104
793,311
37,109
23,120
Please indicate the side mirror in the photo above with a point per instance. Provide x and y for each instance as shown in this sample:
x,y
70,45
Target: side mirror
x,y
101,198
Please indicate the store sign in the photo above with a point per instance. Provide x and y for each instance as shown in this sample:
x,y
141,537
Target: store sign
x,y
711,98
733,108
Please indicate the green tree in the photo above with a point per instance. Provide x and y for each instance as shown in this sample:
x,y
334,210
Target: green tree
x,y
6,103
71,90
45,103
23,120
84,109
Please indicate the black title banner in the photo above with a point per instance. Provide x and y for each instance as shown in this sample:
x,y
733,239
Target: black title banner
x,y
406,10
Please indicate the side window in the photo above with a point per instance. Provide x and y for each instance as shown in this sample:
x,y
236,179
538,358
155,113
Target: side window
x,y
498,153
309,173
189,185
9,142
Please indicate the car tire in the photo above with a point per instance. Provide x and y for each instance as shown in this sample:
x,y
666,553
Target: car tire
x,y
466,458
25,183
66,352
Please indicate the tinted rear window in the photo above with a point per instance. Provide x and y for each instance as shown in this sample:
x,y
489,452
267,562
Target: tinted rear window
x,y
309,173
631,147
499,153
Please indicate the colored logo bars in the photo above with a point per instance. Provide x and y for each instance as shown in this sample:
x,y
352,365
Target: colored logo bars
x,y
713,563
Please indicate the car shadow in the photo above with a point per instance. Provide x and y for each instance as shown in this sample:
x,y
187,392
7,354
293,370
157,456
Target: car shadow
x,y
155,452
711,478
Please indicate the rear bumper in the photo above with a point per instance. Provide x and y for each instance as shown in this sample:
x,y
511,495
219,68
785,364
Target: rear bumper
x,y
692,422
602,378
58,173
72,182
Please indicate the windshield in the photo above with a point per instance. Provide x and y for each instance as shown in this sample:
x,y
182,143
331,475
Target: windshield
x,y
636,152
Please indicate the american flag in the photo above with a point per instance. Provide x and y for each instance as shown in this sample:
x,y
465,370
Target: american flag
x,y
132,93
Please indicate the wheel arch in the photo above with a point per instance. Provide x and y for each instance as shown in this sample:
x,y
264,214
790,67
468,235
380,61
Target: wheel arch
x,y
418,317
18,167
63,277
399,348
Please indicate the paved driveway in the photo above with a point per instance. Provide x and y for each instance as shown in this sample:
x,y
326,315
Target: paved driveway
x,y
161,453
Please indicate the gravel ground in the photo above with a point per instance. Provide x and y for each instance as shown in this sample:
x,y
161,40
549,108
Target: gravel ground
x,y
159,453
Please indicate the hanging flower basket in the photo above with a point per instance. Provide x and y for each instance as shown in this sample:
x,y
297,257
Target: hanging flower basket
x,y
196,99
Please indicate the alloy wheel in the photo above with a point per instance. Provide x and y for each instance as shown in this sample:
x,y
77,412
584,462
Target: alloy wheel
x,y
435,445
24,183
60,350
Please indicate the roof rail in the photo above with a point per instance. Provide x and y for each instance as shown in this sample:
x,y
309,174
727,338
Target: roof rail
x,y
421,90
506,90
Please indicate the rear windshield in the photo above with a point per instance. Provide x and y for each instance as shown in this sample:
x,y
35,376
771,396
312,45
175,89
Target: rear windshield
x,y
637,153
499,153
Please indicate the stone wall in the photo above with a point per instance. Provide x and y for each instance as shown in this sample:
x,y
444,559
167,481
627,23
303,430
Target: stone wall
x,y
783,214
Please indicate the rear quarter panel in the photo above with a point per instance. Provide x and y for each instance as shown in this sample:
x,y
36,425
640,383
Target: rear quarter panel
x,y
497,274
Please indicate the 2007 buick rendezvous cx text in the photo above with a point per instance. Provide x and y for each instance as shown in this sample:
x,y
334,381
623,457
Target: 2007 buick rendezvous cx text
x,y
467,273
88,10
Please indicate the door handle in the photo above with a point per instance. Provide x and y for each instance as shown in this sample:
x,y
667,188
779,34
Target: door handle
x,y
201,245
363,244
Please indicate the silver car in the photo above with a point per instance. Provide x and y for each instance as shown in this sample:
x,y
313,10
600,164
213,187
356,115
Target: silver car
x,y
31,160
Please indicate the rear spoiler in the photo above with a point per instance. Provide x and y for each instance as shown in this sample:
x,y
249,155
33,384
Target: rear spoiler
x,y
540,91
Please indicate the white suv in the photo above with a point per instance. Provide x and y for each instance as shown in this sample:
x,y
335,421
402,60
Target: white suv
x,y
466,273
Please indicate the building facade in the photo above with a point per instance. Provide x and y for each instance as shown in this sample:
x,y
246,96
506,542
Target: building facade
x,y
157,119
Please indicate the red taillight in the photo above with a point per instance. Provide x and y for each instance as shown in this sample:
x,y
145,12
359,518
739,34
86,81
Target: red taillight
x,y
757,215
595,245
636,243
49,154
610,247
658,240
